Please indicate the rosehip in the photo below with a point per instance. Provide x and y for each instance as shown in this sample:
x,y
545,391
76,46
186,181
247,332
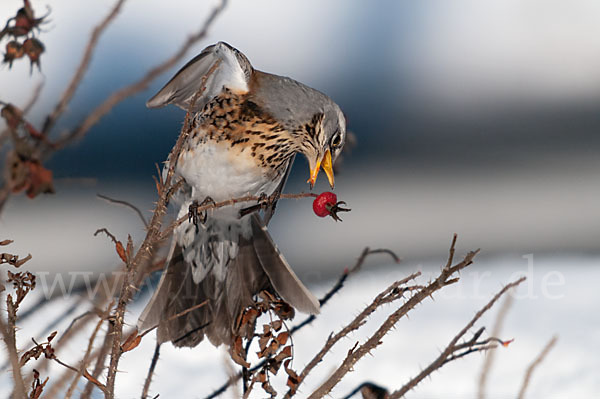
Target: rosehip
x,y
320,203
326,204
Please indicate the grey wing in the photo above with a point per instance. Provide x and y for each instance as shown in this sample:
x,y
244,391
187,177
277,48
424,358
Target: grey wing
x,y
271,210
230,68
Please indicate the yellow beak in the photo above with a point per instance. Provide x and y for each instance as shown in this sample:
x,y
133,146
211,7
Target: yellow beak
x,y
327,166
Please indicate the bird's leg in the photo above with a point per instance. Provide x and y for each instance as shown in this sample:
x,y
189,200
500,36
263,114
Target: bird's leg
x,y
264,202
195,216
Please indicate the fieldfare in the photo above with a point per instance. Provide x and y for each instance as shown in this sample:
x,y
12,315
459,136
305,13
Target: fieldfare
x,y
247,128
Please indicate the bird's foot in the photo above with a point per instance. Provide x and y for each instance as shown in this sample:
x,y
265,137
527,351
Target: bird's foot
x,y
197,217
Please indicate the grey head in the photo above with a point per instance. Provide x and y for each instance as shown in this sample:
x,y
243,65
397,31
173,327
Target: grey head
x,y
316,123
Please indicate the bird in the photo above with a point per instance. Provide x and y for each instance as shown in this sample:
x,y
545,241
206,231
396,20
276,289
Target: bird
x,y
247,127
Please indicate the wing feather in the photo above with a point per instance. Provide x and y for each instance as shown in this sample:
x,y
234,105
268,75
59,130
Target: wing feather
x,y
233,72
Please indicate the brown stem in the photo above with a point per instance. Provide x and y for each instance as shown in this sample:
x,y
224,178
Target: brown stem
x,y
85,360
452,346
69,92
229,202
93,117
334,289
393,292
146,250
355,354
9,337
153,363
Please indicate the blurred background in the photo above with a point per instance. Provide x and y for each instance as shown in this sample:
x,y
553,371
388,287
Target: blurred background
x,y
474,117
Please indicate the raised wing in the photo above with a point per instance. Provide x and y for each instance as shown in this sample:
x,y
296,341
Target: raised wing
x,y
220,64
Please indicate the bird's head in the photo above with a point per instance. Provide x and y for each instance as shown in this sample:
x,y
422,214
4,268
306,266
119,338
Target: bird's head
x,y
316,125
322,141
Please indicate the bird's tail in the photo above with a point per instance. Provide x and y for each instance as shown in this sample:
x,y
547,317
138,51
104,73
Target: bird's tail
x,y
258,266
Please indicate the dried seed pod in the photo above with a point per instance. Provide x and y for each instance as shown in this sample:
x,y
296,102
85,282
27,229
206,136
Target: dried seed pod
x,y
34,49
14,50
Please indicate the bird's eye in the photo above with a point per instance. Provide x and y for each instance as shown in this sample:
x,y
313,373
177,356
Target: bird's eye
x,y
336,141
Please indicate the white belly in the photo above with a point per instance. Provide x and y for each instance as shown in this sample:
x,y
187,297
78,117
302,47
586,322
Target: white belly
x,y
213,170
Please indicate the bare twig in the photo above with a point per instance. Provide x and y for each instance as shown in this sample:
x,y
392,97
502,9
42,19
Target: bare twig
x,y
84,374
126,204
84,315
93,117
294,329
100,361
9,338
69,92
85,360
148,380
536,362
375,340
146,250
449,353
233,201
490,355
393,292
342,279
35,94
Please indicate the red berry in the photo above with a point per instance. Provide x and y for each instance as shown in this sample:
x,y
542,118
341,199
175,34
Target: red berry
x,y
320,203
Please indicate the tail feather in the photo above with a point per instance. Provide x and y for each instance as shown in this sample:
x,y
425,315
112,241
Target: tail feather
x,y
257,266
284,280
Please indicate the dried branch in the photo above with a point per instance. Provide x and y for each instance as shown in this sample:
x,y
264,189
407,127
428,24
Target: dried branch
x,y
93,117
146,250
69,92
6,133
490,356
84,373
536,362
13,260
85,360
449,353
35,95
393,292
9,337
100,361
126,204
294,329
151,369
375,340
233,201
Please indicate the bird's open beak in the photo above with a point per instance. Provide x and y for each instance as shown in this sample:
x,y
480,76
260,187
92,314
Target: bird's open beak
x,y
327,166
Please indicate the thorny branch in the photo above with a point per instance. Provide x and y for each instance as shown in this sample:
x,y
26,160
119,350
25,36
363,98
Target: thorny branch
x,y
93,117
146,250
294,329
490,356
69,92
393,292
249,198
125,204
445,278
449,353
9,337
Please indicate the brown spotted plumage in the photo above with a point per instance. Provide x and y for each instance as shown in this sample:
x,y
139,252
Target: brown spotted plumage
x,y
247,129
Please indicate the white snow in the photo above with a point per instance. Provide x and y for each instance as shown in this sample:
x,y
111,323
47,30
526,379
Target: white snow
x,y
559,298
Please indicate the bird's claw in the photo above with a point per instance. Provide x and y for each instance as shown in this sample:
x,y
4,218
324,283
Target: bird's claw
x,y
199,217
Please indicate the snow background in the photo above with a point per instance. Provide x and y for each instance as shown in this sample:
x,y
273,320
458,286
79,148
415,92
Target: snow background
x,y
557,299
